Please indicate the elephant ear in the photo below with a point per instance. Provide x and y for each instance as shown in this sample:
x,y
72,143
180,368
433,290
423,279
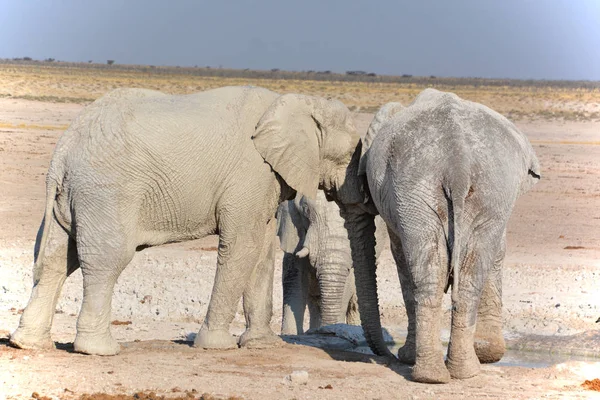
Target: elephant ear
x,y
287,137
386,112
290,227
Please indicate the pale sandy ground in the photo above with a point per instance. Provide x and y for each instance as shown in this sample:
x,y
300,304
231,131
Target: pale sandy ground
x,y
551,287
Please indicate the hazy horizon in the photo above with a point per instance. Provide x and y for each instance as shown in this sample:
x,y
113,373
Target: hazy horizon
x,y
519,39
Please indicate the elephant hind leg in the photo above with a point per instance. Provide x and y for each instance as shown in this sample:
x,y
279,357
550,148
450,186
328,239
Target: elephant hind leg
x,y
478,260
489,341
50,272
408,352
422,268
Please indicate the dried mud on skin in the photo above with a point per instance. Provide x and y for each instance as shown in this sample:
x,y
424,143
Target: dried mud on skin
x,y
117,322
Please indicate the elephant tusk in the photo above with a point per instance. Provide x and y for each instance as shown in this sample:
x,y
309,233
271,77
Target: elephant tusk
x,y
302,253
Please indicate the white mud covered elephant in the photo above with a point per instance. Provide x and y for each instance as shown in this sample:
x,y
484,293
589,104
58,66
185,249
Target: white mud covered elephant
x,y
444,174
317,264
139,168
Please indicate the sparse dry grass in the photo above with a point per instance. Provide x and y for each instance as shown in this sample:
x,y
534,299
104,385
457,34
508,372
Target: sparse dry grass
x,y
74,84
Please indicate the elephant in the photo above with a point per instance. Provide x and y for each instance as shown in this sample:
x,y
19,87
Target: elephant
x,y
317,264
139,168
444,173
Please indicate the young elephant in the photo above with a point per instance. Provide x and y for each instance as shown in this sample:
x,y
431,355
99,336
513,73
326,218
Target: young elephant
x,y
139,168
317,264
444,173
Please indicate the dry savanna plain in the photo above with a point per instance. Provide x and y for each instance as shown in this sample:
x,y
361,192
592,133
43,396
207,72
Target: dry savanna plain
x,y
551,275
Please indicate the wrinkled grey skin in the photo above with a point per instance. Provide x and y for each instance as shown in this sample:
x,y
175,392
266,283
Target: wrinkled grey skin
x,y
444,173
139,168
317,264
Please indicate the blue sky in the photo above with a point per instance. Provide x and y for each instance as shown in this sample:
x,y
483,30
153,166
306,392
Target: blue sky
x,y
539,39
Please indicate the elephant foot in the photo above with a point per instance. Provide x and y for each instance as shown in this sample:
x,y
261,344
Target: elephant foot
x,y
97,345
263,339
215,339
463,368
489,349
407,354
31,341
431,371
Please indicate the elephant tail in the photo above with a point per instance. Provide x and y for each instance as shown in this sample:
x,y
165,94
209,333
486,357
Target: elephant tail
x,y
457,197
51,190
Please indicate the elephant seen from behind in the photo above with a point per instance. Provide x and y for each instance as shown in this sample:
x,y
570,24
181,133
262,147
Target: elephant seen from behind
x,y
444,174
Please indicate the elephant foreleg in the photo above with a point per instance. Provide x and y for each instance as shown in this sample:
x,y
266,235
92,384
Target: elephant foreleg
x,y
313,297
352,316
234,267
295,292
50,273
258,297
100,272
241,242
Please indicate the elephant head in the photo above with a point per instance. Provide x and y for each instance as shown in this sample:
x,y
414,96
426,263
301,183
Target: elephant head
x,y
309,141
314,229
312,144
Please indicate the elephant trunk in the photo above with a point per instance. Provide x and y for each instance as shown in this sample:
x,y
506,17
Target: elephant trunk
x,y
331,286
333,263
361,232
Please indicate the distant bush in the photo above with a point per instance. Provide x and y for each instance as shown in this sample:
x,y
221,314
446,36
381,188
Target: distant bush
x,y
110,62
49,60
406,75
27,58
90,61
356,73
275,70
